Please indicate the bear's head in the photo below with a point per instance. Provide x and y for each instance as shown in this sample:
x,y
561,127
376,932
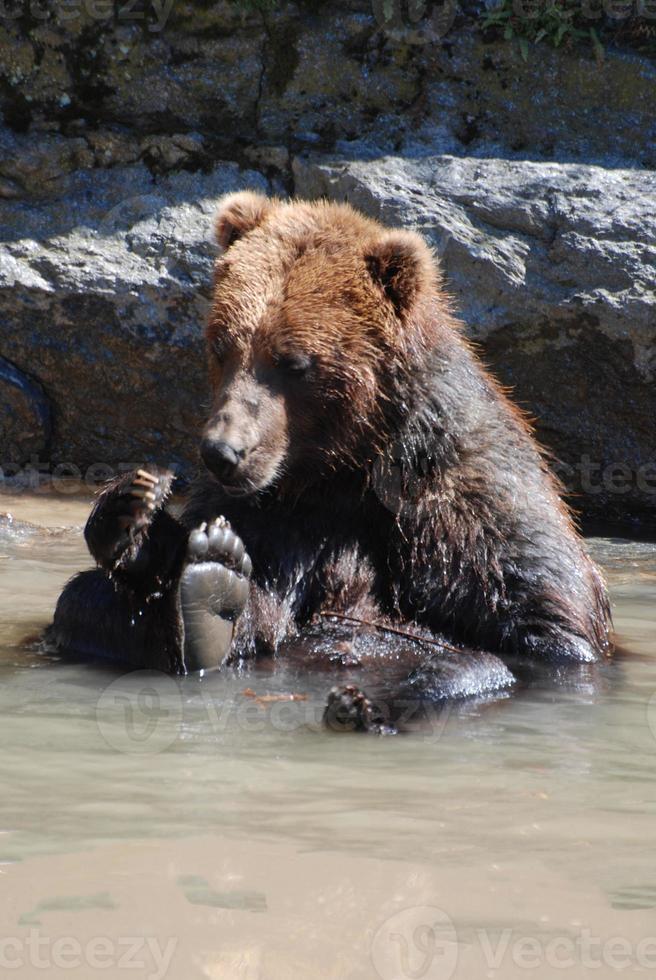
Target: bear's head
x,y
319,318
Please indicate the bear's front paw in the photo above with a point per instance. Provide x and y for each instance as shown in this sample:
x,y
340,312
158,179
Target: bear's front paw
x,y
135,509
122,515
142,498
350,710
213,591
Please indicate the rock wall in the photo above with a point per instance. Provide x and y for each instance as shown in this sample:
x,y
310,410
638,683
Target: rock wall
x,y
533,180
235,81
103,297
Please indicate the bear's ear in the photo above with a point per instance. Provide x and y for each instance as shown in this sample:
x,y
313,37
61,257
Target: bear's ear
x,y
238,214
401,263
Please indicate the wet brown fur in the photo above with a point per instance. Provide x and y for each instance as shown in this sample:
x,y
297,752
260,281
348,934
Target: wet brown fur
x,y
484,532
381,471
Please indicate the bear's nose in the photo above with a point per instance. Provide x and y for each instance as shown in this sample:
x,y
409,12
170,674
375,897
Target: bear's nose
x,y
219,456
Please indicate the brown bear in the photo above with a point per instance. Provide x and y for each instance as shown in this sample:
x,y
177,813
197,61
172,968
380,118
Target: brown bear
x,y
368,471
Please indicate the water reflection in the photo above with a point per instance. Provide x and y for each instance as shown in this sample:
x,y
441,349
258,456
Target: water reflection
x,y
268,848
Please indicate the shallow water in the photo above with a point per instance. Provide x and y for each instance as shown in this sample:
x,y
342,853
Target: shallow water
x,y
151,827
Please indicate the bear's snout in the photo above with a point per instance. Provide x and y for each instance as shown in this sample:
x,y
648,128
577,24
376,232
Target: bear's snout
x,y
220,457
245,443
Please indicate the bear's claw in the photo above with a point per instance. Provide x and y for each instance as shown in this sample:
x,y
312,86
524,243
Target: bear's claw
x,y
149,488
139,502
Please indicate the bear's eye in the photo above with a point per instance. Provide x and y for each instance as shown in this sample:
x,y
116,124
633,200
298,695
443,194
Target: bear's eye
x,y
297,365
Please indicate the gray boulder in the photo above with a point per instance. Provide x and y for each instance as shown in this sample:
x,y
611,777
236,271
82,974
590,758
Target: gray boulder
x,y
104,292
103,299
553,269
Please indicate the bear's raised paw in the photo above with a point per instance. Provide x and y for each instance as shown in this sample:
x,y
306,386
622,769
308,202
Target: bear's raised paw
x,y
214,589
120,520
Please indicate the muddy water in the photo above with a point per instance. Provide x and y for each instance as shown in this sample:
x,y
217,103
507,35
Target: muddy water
x,y
155,828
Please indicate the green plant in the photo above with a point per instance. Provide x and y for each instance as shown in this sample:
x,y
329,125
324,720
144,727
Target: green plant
x,y
530,22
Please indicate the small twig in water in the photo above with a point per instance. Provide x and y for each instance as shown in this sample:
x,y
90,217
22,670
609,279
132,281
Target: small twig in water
x,y
262,699
391,629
